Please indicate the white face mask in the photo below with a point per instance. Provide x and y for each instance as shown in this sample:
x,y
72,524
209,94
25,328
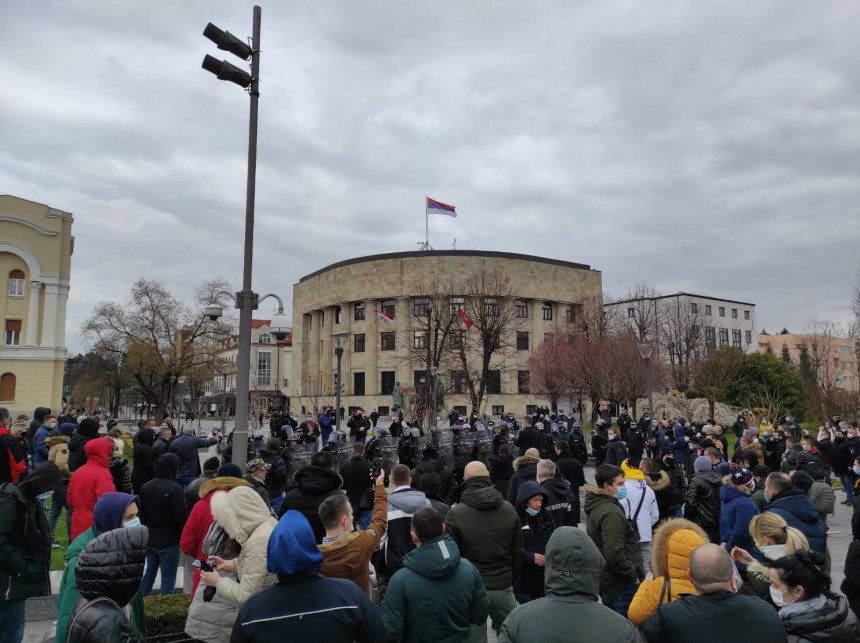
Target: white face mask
x,y
777,597
772,552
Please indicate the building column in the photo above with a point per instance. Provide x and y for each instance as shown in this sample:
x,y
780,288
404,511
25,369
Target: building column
x,y
62,301
404,340
49,317
33,313
371,347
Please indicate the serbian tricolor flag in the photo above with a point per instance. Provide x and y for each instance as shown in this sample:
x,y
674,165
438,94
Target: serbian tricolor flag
x,y
385,317
437,207
465,319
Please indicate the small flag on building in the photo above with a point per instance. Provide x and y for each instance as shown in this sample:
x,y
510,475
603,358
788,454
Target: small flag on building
x,y
389,319
465,319
437,207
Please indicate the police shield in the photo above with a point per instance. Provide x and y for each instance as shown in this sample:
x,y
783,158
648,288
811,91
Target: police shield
x,y
513,449
342,452
300,456
387,451
463,449
444,443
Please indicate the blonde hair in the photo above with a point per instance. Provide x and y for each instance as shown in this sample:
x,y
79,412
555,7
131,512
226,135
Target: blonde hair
x,y
773,526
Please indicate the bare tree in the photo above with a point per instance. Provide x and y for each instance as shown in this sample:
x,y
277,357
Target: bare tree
x,y
551,370
594,318
682,339
713,375
645,322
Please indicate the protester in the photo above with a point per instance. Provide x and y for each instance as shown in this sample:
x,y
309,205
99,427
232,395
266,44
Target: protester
x,y
89,482
276,474
616,451
87,430
703,498
431,486
736,510
488,534
118,467
40,449
58,443
162,510
255,476
795,507
107,575
403,502
528,438
674,542
760,473
437,595
358,485
162,442
842,462
668,495
187,446
560,500
537,527
313,608
144,459
192,491
430,463
346,553
640,507
13,462
717,612
570,611
314,483
37,422
525,468
25,547
851,583
821,494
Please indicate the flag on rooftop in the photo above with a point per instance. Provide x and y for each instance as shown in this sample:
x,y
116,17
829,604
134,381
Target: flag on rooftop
x,y
437,207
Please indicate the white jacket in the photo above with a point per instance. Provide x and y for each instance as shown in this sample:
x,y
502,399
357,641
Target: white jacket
x,y
648,514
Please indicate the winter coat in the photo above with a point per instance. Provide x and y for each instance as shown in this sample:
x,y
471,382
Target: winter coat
x,y
841,459
851,584
260,487
325,423
121,474
436,596
571,470
160,446
276,476
825,451
616,453
446,475
736,511
799,511
402,504
703,501
488,532
667,494
348,557
525,468
536,532
501,472
187,447
108,574
616,540
88,483
649,514
832,621
357,482
162,504
245,518
820,493
673,543
212,621
569,613
13,459
635,443
313,485
59,454
716,617
528,438
144,465
561,502
39,415
40,449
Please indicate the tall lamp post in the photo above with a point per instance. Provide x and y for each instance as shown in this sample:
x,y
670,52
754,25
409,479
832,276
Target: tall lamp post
x,y
225,369
434,370
172,404
180,380
645,352
340,338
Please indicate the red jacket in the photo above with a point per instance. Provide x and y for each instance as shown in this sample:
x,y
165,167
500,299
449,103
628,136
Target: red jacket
x,y
88,483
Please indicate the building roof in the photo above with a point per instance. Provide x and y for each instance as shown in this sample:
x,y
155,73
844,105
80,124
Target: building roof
x,y
446,253
685,294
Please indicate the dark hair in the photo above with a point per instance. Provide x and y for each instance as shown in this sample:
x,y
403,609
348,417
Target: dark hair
x,y
4,413
332,509
430,453
504,452
400,475
323,459
762,471
804,568
431,483
563,446
358,448
606,474
779,481
427,524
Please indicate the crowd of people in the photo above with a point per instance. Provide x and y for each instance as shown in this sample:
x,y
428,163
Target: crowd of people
x,y
398,534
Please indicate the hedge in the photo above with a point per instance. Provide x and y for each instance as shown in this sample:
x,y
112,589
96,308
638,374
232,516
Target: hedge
x,y
166,614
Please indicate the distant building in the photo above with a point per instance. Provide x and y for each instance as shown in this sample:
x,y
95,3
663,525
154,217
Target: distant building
x,y
833,359
36,245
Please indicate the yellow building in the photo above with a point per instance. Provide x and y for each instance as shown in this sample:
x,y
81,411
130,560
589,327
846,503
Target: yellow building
x,y
833,359
36,245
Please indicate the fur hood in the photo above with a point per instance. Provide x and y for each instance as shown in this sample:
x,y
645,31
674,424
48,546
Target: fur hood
x,y
590,488
56,439
221,484
660,483
743,488
240,512
673,543
524,460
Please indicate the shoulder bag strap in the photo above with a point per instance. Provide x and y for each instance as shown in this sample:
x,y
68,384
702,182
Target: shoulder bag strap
x,y
666,592
639,507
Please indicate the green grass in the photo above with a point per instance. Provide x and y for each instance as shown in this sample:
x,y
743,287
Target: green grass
x,y
57,562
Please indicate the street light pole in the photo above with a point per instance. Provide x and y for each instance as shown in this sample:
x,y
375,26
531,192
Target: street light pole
x,y
645,352
338,351
434,370
225,368
172,403
180,380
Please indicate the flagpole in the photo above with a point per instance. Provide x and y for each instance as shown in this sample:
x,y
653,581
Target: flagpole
x,y
426,224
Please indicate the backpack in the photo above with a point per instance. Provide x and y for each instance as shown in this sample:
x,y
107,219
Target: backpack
x,y
823,497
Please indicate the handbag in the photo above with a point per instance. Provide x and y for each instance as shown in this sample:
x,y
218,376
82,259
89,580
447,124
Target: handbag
x,y
634,521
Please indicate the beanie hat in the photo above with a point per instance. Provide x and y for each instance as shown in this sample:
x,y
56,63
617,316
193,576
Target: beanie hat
x,y
109,510
740,476
67,428
89,428
211,465
803,457
702,463
762,471
273,444
292,547
228,469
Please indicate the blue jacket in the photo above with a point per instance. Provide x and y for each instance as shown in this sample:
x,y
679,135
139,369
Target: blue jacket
x,y
41,450
796,508
325,423
186,447
679,446
735,514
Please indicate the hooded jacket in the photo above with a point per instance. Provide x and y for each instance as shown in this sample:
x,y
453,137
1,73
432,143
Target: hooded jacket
x,y
186,446
144,460
312,607
12,457
40,449
736,511
488,532
673,543
87,430
536,532
402,504
58,445
525,468
637,490
430,464
39,415
108,573
246,519
795,507
832,622
570,612
313,485
162,504
561,502
616,540
212,620
25,540
88,483
276,476
436,596
703,500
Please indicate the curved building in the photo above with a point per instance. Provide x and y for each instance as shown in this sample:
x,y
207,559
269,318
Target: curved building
x,y
380,300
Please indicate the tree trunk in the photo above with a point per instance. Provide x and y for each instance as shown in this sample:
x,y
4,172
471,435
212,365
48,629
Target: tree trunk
x,y
711,404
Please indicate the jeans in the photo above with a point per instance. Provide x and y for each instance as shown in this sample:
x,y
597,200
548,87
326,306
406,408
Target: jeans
x,y
502,603
848,483
622,603
58,501
167,558
12,621
645,550
187,479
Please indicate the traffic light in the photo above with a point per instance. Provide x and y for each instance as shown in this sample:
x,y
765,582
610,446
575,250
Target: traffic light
x,y
227,42
225,71
221,68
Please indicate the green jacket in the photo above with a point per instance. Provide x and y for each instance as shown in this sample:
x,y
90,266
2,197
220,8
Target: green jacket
x,y
569,612
616,540
260,487
69,595
436,596
790,462
488,532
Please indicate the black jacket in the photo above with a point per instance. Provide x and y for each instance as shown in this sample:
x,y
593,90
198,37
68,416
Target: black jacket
x,y
825,450
426,466
536,532
77,456
313,485
501,472
851,584
528,438
833,622
162,504
10,450
357,482
561,502
616,452
571,470
144,466
703,500
716,617
187,447
276,476
525,468
108,574
841,459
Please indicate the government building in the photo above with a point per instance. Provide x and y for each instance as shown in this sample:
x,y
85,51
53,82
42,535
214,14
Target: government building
x,y
36,245
381,301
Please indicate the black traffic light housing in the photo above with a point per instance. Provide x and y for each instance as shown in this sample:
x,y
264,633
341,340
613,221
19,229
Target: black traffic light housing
x,y
226,41
221,68
225,71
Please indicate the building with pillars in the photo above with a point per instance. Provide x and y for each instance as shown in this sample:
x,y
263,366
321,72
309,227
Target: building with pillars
x,y
347,295
36,245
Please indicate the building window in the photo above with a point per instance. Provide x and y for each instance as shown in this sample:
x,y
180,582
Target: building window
x,y
7,387
491,306
16,284
494,382
358,383
358,311
748,337
547,311
569,312
358,345
387,383
722,311
694,332
711,336
388,341
495,342
631,313
747,315
708,309
724,337
264,338
419,379
734,313
337,314
458,381
694,308
421,306
419,339
498,409
736,338
522,382
456,304
522,309
264,368
460,410
531,409
384,410
388,307
13,332
522,341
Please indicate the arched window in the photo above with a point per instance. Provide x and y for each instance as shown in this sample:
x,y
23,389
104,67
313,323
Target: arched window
x,y
265,338
16,284
7,386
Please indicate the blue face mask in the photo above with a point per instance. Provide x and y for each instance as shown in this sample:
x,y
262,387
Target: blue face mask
x,y
531,512
622,493
856,470
134,522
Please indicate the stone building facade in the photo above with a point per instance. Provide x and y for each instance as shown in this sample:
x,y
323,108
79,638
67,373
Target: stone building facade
x,y
346,296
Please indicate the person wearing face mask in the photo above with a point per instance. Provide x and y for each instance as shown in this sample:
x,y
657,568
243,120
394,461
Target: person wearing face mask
x,y
537,527
616,451
112,511
841,462
794,506
615,538
808,609
40,448
737,509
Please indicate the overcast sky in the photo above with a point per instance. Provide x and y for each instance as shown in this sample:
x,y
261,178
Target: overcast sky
x,y
711,147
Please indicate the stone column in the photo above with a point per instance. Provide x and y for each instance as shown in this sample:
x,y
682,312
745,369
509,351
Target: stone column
x,y
371,347
49,317
33,314
61,315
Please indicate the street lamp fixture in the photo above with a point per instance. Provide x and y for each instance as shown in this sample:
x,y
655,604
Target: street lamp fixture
x,y
645,352
225,370
340,338
180,380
